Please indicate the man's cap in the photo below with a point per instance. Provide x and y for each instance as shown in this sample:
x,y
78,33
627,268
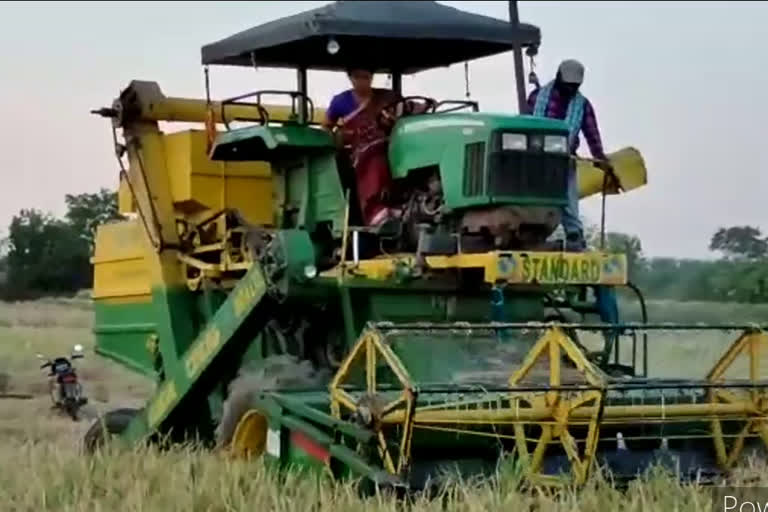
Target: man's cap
x,y
571,71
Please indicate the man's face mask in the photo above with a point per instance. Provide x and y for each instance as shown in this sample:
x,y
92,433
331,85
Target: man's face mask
x,y
569,89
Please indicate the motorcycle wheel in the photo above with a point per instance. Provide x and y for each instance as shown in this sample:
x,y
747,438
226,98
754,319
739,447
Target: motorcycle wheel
x,y
73,409
72,401
54,391
113,423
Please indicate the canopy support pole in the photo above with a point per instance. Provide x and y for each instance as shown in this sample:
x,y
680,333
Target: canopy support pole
x,y
301,80
397,82
514,21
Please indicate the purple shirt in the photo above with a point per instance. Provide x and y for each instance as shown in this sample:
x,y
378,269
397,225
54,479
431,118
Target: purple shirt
x,y
345,103
341,105
556,109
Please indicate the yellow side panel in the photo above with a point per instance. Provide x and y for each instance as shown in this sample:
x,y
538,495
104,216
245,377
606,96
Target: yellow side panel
x,y
253,199
628,165
119,269
198,183
125,198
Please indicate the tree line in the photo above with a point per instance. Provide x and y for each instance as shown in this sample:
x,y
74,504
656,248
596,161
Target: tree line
x,y
45,255
738,274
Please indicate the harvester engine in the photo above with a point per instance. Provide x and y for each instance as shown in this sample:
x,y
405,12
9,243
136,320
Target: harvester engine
x,y
423,207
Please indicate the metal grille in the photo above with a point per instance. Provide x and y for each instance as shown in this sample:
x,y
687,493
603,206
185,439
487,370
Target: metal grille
x,y
474,169
530,175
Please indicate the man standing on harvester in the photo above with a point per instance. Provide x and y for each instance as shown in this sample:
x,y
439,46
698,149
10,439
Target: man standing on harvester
x,y
561,99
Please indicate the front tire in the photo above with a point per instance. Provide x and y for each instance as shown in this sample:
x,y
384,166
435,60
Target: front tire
x,y
282,372
71,400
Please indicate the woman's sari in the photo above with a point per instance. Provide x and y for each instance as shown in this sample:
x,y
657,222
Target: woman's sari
x,y
368,142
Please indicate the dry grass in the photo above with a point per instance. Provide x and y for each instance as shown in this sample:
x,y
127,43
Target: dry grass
x,y
51,479
41,467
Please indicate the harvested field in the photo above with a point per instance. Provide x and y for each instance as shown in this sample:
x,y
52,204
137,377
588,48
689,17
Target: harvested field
x,y
42,469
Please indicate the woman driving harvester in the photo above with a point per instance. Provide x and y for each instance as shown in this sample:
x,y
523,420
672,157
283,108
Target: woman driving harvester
x,y
365,125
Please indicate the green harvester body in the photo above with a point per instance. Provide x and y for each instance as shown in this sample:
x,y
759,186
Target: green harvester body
x,y
437,347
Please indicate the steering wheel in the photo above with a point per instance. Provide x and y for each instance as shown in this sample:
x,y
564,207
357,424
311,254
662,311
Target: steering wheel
x,y
402,107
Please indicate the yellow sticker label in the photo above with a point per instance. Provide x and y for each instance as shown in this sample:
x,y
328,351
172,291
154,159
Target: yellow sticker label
x,y
162,402
563,268
201,351
247,294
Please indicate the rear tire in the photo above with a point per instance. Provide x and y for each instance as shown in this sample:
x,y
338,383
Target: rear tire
x,y
71,400
113,423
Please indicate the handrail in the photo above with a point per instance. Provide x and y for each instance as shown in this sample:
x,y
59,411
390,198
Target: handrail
x,y
263,114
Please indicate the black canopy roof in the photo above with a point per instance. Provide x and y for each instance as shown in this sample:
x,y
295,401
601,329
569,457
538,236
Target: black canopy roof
x,y
404,36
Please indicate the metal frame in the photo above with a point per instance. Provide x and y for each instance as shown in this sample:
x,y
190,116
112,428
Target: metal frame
x,y
370,347
556,407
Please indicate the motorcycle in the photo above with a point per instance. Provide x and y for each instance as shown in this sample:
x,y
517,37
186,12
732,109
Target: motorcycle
x,y
66,391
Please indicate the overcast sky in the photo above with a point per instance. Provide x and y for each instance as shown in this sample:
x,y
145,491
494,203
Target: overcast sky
x,y
683,82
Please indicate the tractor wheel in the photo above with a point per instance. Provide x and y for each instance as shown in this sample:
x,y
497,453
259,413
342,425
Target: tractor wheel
x,y
113,423
274,373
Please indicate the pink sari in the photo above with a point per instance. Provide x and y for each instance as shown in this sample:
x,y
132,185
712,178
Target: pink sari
x,y
368,142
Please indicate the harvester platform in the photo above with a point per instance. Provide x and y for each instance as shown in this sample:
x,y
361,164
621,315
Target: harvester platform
x,y
548,406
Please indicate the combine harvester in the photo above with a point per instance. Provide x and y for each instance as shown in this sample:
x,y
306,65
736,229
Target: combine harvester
x,y
277,326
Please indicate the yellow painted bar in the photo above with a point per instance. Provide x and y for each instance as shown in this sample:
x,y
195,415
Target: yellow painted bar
x,y
190,110
512,267
628,166
149,104
630,413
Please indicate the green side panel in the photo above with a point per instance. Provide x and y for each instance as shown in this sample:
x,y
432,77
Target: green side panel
x,y
183,389
413,305
297,253
423,141
122,331
308,188
311,192
419,141
178,321
460,144
269,143
327,201
296,184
